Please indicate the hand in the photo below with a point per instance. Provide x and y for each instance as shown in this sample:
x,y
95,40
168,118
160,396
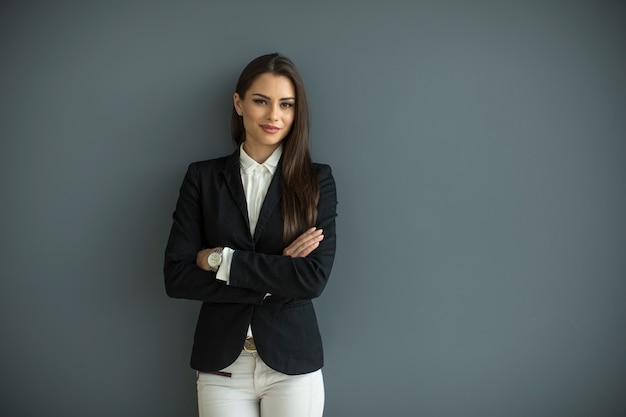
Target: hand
x,y
304,244
202,258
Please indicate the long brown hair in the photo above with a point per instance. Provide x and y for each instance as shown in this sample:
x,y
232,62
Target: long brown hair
x,y
300,187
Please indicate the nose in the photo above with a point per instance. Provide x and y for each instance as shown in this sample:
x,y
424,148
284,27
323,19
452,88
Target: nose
x,y
273,111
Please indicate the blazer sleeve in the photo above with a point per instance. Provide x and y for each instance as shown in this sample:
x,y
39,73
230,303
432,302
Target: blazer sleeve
x,y
183,278
284,276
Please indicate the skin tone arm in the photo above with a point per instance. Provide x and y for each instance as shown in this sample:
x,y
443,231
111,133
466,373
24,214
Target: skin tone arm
x,y
304,244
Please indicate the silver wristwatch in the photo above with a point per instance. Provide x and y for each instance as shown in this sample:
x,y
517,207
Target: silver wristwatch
x,y
215,259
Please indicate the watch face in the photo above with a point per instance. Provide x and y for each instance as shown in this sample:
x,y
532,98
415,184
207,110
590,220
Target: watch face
x,y
215,259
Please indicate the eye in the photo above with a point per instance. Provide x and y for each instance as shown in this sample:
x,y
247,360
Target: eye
x,y
286,105
260,101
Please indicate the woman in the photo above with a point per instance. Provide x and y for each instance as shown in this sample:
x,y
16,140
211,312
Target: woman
x,y
253,238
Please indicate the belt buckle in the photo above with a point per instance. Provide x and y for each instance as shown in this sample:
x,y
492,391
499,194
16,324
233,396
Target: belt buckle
x,y
249,345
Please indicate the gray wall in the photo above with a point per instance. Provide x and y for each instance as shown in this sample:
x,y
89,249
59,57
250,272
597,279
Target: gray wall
x,y
479,150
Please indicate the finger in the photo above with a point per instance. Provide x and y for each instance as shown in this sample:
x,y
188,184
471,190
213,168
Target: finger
x,y
306,237
307,251
302,245
306,248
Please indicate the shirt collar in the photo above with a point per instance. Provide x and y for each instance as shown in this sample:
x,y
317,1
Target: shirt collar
x,y
271,163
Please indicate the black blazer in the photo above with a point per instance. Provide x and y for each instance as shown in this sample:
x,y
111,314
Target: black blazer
x,y
211,211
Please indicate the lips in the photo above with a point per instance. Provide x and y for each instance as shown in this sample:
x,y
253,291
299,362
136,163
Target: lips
x,y
270,129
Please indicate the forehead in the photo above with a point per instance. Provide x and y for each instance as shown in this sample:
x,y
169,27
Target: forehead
x,y
273,86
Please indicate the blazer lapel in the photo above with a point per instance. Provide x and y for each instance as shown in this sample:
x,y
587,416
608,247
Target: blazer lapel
x,y
232,176
272,198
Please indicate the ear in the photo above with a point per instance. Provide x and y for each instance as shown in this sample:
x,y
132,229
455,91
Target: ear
x,y
237,103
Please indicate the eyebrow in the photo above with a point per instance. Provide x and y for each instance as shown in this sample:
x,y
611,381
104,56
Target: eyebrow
x,y
268,98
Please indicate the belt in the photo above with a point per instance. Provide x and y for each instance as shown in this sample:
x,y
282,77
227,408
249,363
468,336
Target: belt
x,y
249,345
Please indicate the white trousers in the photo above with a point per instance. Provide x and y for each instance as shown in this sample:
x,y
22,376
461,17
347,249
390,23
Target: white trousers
x,y
253,389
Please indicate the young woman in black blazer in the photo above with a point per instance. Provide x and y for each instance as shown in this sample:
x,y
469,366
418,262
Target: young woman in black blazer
x,y
253,238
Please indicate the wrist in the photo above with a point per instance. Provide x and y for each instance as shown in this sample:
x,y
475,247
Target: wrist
x,y
214,259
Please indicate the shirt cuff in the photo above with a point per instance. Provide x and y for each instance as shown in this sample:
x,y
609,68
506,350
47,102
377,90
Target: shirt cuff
x,y
223,273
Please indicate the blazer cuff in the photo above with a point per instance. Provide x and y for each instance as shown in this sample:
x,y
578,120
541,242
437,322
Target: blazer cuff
x,y
223,273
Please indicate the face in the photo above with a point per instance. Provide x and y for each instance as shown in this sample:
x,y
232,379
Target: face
x,y
268,109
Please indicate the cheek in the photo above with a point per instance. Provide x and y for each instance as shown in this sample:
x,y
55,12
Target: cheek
x,y
249,115
289,118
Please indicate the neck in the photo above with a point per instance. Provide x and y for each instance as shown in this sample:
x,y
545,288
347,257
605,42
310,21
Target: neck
x,y
259,153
